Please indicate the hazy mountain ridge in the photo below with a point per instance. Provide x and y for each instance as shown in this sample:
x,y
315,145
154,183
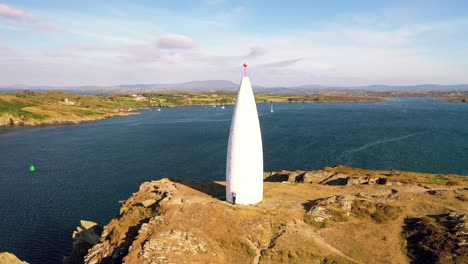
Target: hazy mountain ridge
x,y
226,85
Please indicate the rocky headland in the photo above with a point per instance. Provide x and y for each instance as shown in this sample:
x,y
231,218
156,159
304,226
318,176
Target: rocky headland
x,y
12,120
333,215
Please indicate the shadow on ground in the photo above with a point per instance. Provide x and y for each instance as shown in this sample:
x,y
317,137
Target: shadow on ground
x,y
211,188
311,203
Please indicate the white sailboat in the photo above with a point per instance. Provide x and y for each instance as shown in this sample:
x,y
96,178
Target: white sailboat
x,y
271,107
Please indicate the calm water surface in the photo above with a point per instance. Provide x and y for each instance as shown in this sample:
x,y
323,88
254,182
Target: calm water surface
x,y
84,170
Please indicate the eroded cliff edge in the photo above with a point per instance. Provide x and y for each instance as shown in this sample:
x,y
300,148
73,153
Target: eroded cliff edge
x,y
333,215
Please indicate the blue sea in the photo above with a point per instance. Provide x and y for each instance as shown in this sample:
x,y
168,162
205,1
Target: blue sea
x,y
84,170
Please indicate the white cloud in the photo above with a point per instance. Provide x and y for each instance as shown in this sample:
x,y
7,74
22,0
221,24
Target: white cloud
x,y
349,50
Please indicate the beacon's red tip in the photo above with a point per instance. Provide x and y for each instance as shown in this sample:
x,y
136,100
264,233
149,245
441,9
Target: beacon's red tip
x,y
245,65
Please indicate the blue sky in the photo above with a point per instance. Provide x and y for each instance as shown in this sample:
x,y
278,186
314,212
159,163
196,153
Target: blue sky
x,y
286,43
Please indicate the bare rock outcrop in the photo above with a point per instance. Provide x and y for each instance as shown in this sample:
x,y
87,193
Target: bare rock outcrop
x,y
377,207
8,258
86,235
339,175
174,242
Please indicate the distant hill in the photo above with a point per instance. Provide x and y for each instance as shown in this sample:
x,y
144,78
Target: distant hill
x,y
313,88
421,87
225,85
203,86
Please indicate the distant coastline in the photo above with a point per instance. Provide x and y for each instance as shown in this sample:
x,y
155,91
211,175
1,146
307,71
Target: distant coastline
x,y
28,108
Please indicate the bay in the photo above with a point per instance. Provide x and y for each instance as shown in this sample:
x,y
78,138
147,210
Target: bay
x,y
84,170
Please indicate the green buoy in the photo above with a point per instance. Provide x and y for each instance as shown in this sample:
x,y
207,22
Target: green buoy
x,y
32,168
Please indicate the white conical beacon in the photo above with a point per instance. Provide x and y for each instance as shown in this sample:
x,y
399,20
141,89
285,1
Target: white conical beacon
x,y
244,166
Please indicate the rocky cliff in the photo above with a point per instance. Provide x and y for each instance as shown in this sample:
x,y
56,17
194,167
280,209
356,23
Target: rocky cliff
x,y
334,215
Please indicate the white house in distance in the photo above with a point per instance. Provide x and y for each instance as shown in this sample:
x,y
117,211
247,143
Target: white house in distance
x,y
138,97
244,165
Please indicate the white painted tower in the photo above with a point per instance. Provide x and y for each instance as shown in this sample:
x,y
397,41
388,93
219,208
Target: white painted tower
x,y
244,166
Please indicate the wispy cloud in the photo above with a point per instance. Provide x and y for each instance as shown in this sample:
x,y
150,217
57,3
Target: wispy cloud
x,y
257,51
150,53
175,41
281,64
21,16
14,14
104,37
91,47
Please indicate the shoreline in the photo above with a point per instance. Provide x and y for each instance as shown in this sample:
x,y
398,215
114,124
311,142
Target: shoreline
x,y
15,122
30,108
19,124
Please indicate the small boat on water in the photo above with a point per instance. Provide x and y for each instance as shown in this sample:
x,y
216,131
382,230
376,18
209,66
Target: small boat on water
x,y
159,109
222,107
271,107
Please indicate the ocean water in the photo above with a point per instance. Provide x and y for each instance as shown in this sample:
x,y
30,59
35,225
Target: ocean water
x,y
84,170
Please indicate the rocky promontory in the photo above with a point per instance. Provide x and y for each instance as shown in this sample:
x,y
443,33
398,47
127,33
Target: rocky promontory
x,y
333,215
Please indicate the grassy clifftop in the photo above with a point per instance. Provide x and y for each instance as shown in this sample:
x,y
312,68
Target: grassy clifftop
x,y
305,217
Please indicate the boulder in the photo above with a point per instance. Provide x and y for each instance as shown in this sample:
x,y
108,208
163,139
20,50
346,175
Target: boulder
x,y
296,176
316,176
